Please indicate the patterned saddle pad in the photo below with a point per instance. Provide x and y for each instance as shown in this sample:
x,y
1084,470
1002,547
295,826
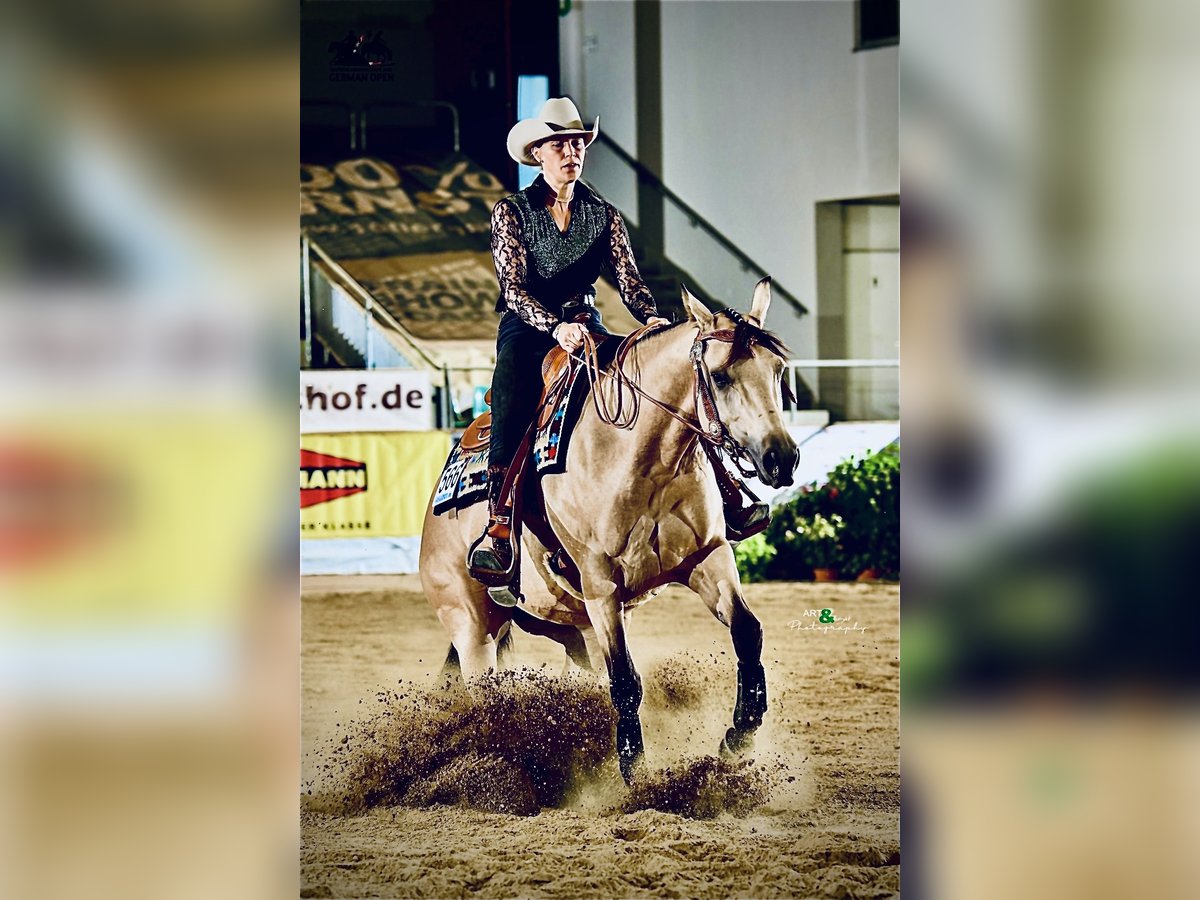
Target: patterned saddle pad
x,y
463,481
551,441
464,477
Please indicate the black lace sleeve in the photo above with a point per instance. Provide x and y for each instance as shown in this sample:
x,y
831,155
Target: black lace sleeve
x,y
634,293
508,254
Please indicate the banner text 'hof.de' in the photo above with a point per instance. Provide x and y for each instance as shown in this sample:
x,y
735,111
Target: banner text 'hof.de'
x,y
336,402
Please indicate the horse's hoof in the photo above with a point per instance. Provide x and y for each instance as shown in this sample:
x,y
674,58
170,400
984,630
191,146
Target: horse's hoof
x,y
736,742
503,596
629,766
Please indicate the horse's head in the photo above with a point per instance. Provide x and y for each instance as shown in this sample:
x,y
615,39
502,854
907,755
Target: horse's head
x,y
744,364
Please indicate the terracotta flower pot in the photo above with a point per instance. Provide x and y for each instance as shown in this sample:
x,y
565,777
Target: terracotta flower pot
x,y
824,574
868,575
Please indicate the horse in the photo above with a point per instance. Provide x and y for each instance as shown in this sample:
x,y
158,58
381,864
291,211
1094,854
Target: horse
x,y
636,508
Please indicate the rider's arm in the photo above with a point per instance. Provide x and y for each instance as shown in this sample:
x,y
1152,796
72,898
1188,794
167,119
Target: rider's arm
x,y
508,254
634,293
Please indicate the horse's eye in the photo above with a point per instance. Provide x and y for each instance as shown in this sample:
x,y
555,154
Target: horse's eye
x,y
721,380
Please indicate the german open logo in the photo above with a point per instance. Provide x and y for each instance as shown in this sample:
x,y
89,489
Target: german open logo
x,y
360,56
324,477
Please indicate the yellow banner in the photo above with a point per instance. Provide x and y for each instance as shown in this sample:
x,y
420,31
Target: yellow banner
x,y
368,485
141,516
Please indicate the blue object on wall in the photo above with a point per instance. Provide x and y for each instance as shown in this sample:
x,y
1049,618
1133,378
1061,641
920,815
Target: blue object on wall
x,y
532,92
479,406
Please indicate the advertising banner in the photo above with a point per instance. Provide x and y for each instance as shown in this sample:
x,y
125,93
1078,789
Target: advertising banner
x,y
369,207
415,235
368,485
349,400
436,296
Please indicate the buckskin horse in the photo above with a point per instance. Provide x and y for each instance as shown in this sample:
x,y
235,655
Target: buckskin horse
x,y
637,507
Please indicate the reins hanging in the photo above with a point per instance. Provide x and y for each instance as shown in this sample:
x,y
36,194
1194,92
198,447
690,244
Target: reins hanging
x,y
715,435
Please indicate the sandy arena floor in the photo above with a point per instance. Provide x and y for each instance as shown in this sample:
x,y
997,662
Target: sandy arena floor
x,y
833,725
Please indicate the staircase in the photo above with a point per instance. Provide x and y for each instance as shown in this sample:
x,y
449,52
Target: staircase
x,y
664,276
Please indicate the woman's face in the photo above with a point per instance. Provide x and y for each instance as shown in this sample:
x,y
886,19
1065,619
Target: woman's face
x,y
561,161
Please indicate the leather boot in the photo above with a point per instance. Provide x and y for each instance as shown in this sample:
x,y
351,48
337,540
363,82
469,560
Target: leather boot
x,y
747,521
741,522
491,564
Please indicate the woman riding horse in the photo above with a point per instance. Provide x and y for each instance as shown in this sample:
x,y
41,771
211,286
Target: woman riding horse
x,y
638,507
549,243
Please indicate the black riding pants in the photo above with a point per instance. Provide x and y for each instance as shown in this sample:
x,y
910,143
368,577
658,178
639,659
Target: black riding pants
x,y
517,382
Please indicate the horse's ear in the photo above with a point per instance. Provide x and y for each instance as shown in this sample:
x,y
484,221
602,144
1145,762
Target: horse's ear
x,y
762,300
696,309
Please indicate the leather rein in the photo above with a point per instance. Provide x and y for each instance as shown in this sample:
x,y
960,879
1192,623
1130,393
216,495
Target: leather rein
x,y
715,433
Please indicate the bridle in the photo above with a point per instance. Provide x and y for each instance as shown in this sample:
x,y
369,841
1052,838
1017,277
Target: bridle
x,y
706,405
709,427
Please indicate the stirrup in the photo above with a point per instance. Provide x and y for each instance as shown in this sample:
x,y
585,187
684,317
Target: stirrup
x,y
494,565
746,522
503,596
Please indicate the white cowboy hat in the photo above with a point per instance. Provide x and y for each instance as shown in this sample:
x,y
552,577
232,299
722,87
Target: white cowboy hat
x,y
558,119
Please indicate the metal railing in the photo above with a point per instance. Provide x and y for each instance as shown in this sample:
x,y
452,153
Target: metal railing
x,y
356,120
373,313
351,125
868,401
413,104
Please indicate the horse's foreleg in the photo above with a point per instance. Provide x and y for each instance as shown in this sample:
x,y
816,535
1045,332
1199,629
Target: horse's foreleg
x,y
716,581
625,685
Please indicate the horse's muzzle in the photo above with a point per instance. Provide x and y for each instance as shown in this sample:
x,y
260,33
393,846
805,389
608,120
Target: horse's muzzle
x,y
778,462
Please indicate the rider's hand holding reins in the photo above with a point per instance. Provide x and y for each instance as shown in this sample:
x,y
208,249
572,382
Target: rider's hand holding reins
x,y
569,336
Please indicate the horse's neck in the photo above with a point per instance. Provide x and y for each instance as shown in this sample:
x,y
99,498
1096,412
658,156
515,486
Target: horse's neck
x,y
661,368
664,371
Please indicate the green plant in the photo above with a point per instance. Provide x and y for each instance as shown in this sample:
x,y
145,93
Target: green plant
x,y
866,493
821,538
861,499
753,558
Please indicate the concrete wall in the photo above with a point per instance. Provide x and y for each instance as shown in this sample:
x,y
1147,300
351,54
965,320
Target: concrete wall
x,y
767,111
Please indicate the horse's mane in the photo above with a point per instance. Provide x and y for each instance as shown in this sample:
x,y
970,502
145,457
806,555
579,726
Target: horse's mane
x,y
768,340
753,334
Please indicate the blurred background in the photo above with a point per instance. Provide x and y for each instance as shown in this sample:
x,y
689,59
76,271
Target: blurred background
x,y
1050,412
148,617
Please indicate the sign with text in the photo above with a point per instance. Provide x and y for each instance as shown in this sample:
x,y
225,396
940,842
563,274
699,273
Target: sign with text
x,y
416,234
368,485
337,401
371,208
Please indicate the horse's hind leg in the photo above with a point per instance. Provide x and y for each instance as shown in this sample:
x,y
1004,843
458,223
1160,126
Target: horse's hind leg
x,y
716,581
504,647
475,643
568,636
451,674
475,625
